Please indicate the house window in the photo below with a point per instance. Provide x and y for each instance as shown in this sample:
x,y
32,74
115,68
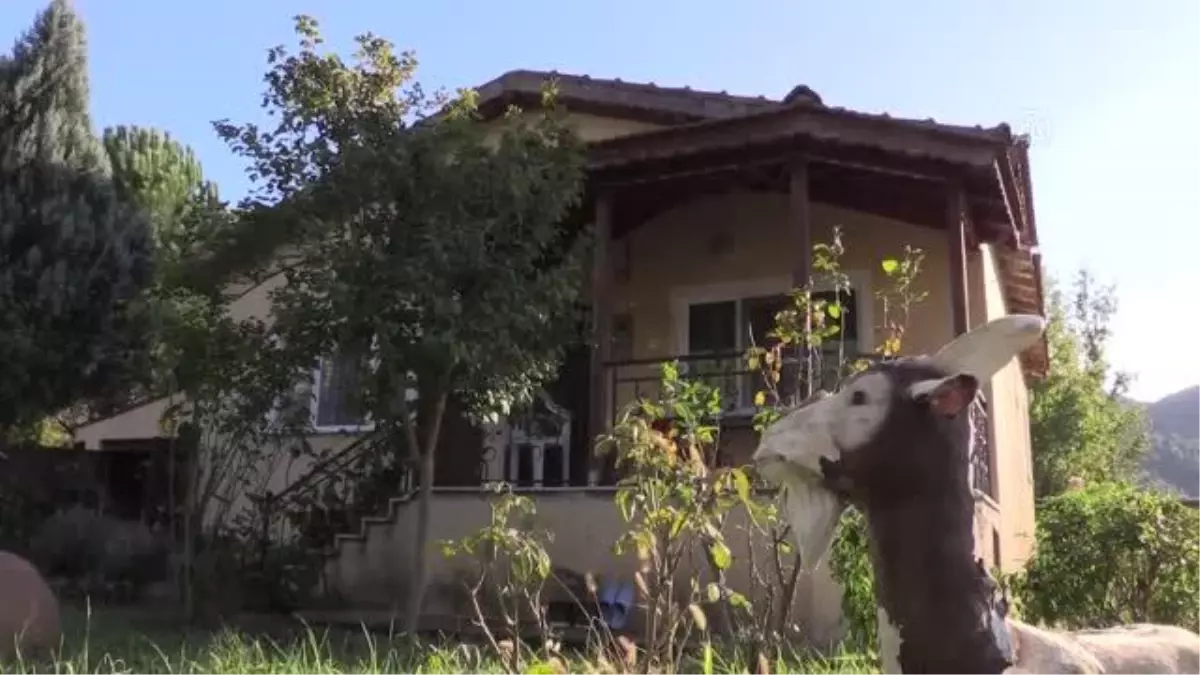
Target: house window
x,y
338,387
731,326
726,328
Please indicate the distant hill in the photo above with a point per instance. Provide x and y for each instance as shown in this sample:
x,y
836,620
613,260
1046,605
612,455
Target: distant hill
x,y
1174,461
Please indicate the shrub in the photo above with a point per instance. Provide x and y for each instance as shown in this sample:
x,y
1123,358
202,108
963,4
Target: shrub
x,y
1110,554
69,544
82,544
850,562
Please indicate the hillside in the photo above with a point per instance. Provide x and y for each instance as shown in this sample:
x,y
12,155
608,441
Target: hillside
x,y
1174,461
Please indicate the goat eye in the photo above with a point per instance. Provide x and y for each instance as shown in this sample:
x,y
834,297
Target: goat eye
x,y
858,398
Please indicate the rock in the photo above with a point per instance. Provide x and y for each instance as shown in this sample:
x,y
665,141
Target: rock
x,y
29,617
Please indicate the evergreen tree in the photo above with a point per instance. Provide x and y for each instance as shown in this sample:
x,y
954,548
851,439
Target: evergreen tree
x,y
73,257
164,178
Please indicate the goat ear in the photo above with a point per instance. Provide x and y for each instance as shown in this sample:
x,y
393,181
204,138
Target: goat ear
x,y
947,396
983,351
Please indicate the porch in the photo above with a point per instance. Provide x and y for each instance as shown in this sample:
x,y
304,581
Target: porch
x,y
536,449
701,231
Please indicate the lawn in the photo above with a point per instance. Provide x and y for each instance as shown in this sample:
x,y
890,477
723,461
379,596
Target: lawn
x,y
129,641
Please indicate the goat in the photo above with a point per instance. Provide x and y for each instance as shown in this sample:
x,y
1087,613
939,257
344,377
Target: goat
x,y
894,441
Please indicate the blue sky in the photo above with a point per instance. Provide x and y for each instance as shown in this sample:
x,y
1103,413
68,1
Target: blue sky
x,y
1109,90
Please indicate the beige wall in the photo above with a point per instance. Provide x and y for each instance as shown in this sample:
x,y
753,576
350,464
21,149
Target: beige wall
x,y
141,422
592,128
585,524
679,256
273,470
672,255
270,471
1012,459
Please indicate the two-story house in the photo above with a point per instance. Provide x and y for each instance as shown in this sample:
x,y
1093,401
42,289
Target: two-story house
x,y
706,206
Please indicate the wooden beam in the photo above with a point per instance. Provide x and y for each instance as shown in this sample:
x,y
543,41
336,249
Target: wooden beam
x,y
956,224
784,125
601,320
800,218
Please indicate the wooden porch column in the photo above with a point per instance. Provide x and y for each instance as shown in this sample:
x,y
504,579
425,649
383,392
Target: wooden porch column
x,y
956,223
799,216
601,328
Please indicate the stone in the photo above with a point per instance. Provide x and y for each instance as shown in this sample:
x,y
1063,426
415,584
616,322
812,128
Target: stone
x,y
29,615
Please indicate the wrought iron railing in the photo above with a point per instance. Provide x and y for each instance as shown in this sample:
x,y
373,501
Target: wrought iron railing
x,y
729,372
340,490
981,448
635,379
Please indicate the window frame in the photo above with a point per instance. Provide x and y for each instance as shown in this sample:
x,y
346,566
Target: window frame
x,y
683,297
366,425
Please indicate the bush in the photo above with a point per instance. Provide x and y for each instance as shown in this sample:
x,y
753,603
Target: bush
x,y
1109,554
82,544
850,562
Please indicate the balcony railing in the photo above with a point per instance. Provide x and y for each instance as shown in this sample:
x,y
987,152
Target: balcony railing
x,y
981,448
728,372
635,379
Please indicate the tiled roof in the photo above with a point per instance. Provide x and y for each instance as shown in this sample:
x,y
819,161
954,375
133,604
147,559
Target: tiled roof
x,y
695,105
686,103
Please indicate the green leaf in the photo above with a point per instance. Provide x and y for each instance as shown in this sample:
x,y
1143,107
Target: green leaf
x,y
721,555
760,398
713,592
834,310
739,601
741,484
890,266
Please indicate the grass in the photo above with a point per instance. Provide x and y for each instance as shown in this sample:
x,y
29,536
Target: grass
x,y
123,641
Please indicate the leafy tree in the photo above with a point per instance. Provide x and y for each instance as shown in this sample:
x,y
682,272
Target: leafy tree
x,y
430,243
1113,554
73,257
233,373
1080,423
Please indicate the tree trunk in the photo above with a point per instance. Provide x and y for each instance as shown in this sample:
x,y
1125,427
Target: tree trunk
x,y
431,424
190,509
417,580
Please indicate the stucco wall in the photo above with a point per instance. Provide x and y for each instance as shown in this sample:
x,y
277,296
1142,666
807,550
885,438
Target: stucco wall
x,y
584,523
723,246
1012,459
